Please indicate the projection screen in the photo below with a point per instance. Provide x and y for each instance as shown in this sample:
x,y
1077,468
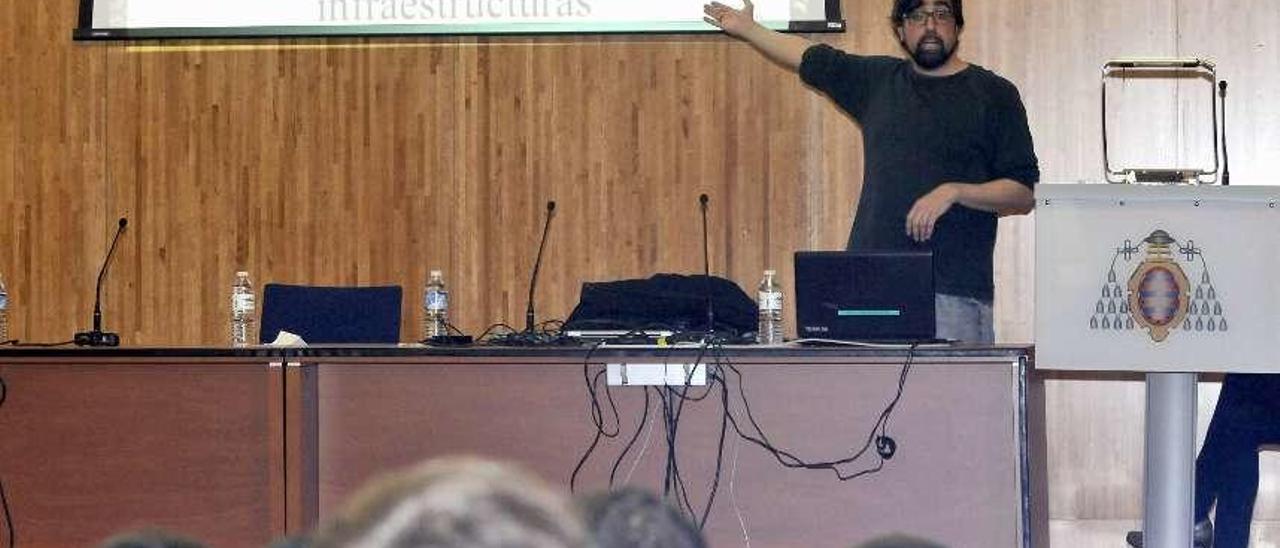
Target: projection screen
x,y
143,19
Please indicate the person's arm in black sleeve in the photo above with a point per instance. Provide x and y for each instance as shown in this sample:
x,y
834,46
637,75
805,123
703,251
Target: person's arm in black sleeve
x,y
1015,155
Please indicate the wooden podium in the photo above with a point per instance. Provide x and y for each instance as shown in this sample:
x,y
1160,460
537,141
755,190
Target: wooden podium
x,y
1166,280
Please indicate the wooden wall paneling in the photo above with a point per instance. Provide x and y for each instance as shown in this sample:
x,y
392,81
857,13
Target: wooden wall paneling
x,y
1062,91
550,99
703,96
750,192
441,186
783,217
10,203
666,226
505,180
1014,273
139,252
182,213
57,177
1095,435
1239,37
587,237
599,193
629,210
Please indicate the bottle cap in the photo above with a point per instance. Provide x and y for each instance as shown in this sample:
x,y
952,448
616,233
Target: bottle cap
x,y
436,274
242,273
770,272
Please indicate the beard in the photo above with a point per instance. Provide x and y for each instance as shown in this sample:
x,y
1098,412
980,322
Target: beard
x,y
931,51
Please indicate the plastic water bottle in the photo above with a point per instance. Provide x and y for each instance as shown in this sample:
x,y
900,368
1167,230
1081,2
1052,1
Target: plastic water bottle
x,y
243,306
435,307
4,312
769,299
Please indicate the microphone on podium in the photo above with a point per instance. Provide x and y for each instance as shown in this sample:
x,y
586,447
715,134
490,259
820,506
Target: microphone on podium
x,y
97,337
706,267
533,281
1226,162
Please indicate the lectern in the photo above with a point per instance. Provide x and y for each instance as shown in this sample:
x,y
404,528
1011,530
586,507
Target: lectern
x,y
1166,280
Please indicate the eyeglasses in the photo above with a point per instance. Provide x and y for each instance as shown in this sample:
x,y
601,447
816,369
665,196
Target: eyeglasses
x,y
941,16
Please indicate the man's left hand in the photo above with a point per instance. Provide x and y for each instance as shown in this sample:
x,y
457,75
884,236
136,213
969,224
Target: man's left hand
x,y
928,209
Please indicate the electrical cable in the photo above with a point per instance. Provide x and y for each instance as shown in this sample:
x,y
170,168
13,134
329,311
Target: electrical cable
x,y
724,427
617,463
644,447
789,460
4,500
484,335
19,344
733,494
596,415
671,404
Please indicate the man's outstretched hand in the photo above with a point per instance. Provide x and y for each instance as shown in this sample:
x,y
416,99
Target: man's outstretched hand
x,y
733,21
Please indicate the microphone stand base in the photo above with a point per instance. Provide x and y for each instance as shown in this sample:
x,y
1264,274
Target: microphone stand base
x,y
97,338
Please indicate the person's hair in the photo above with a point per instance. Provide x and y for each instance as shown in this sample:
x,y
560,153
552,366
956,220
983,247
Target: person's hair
x,y
455,503
899,541
632,518
902,7
150,538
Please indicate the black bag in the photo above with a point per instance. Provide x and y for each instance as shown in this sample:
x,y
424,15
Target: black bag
x,y
664,301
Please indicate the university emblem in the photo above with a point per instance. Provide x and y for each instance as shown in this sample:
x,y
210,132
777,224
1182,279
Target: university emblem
x,y
1158,296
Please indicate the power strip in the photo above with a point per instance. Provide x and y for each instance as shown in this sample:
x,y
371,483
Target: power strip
x,y
656,374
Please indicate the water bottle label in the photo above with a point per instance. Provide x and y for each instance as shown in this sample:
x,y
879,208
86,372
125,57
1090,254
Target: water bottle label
x,y
436,301
769,300
4,301
243,303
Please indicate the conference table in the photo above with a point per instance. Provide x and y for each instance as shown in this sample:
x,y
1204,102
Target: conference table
x,y
238,447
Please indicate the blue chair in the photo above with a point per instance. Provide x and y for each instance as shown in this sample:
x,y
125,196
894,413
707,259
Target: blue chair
x,y
332,315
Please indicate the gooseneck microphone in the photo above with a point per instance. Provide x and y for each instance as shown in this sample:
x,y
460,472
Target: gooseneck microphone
x,y
97,337
533,282
1226,162
706,265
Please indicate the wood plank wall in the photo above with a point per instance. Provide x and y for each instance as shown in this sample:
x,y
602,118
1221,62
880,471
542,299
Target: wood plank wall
x,y
373,161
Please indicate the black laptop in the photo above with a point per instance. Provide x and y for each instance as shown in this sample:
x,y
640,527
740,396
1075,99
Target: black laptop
x,y
867,296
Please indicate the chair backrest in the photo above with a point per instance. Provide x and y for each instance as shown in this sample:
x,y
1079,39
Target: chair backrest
x,y
332,315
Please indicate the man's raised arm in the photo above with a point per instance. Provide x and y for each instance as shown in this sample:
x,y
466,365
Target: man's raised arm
x,y
785,49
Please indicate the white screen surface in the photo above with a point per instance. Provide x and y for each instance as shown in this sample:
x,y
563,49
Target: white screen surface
x,y
158,18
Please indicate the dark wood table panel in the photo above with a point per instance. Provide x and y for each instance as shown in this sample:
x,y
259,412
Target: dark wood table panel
x,y
96,446
957,476
221,445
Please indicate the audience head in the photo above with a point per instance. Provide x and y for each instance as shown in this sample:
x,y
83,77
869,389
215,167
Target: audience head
x,y
455,503
631,518
899,541
150,538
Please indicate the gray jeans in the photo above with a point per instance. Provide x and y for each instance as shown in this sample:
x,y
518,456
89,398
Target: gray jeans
x,y
964,319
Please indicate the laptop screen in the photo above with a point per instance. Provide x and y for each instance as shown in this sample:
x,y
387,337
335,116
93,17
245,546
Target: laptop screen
x,y
865,295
